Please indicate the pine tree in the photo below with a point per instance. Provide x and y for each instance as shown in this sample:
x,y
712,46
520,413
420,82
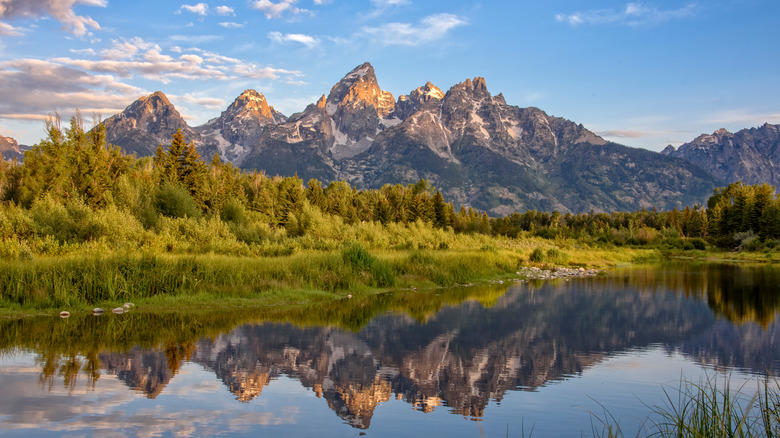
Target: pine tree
x,y
290,199
440,217
315,194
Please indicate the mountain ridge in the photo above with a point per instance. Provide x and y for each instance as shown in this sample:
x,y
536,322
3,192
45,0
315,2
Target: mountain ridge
x,y
477,149
750,155
10,148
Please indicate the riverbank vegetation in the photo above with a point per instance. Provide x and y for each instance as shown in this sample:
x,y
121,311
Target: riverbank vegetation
x,y
707,410
82,223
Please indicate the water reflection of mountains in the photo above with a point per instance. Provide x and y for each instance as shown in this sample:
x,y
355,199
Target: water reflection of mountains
x,y
464,356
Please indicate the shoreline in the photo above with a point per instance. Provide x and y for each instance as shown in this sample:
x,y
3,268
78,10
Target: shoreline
x,y
47,286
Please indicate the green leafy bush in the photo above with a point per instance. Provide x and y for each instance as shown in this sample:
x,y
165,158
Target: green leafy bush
x,y
172,200
537,256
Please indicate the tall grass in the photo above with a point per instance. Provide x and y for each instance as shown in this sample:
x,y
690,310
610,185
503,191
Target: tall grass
x,y
708,410
53,282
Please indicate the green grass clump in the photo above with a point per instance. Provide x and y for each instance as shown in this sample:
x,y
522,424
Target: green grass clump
x,y
707,410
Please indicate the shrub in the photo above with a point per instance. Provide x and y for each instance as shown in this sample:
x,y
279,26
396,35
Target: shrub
x,y
646,235
698,243
175,201
554,255
361,261
537,256
234,211
357,257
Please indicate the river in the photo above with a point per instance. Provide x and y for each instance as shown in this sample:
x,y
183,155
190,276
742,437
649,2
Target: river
x,y
531,358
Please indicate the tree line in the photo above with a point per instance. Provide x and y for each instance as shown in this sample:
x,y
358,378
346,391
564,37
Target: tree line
x,y
73,165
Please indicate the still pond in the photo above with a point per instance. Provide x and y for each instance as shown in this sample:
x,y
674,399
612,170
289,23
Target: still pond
x,y
538,358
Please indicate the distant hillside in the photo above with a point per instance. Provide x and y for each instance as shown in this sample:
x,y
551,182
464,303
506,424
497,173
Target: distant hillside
x,y
749,155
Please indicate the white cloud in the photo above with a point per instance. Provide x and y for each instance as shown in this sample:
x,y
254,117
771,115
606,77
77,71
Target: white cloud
x,y
60,10
306,40
100,81
8,30
88,51
252,71
385,3
619,133
225,10
276,10
431,28
208,102
196,39
33,88
231,25
742,116
633,14
128,58
200,8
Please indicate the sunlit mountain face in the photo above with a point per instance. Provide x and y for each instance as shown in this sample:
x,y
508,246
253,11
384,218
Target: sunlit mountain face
x,y
479,150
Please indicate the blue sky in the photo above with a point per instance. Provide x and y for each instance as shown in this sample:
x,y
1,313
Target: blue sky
x,y
642,73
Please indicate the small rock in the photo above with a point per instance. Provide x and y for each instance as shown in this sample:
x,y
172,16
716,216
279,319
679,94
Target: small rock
x,y
64,314
97,311
119,310
128,305
349,296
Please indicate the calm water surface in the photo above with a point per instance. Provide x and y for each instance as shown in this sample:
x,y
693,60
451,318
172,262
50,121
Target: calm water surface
x,y
464,362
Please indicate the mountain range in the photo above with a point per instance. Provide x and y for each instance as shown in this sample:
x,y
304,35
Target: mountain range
x,y
472,145
750,155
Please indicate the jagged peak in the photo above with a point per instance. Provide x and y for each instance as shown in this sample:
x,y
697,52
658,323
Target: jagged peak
x,y
479,84
364,71
251,101
474,86
358,89
251,94
721,131
361,76
427,92
322,102
157,96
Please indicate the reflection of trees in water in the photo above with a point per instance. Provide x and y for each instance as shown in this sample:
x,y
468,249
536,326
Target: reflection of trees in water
x,y
462,356
741,293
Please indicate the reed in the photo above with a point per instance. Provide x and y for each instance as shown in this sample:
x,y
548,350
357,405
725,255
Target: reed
x,y
306,276
708,410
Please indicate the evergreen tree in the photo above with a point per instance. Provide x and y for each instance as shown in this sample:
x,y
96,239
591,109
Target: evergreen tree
x,y
315,194
383,212
440,211
181,165
69,165
290,199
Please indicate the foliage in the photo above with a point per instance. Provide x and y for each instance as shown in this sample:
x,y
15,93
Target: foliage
x,y
69,164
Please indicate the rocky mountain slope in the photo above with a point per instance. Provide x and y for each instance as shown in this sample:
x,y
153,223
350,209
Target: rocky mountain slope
x,y
240,126
10,149
146,123
749,155
473,146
